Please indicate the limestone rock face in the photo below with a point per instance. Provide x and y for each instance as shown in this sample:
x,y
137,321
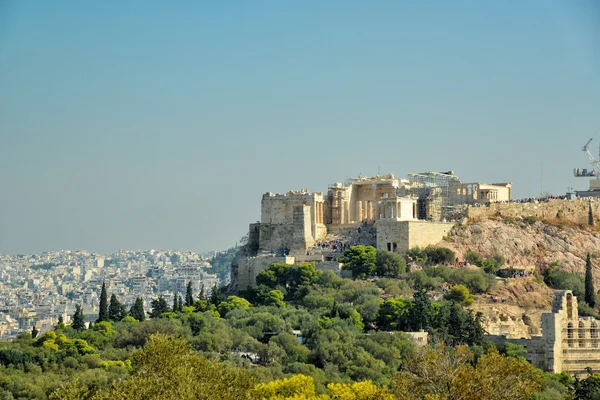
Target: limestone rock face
x,y
515,308
523,244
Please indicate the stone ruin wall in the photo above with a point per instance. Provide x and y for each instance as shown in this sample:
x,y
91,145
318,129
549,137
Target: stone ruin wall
x,y
280,218
569,343
302,237
400,236
576,211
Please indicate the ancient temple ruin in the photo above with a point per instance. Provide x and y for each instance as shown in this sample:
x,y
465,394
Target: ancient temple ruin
x,y
393,214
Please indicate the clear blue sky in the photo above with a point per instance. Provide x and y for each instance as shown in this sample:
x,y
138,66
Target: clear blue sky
x,y
154,124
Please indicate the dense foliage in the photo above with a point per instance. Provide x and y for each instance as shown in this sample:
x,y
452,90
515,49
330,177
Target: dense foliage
x,y
306,334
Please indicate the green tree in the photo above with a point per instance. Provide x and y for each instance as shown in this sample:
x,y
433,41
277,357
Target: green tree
x,y
167,368
175,307
389,264
460,294
421,311
34,332
103,307
61,323
557,278
216,295
189,295
588,388
264,295
473,257
456,326
288,278
159,306
202,294
78,319
516,351
590,294
489,266
137,310
393,314
116,310
232,303
361,260
438,255
275,298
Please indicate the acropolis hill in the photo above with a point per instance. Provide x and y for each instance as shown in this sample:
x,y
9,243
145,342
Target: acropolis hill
x,y
391,213
384,211
438,209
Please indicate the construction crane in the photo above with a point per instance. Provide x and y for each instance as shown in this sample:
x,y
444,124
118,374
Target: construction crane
x,y
594,173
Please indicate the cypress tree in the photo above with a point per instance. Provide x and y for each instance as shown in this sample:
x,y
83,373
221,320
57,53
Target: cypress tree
x,y
61,323
216,297
137,310
455,325
201,295
34,332
159,306
122,312
78,319
180,307
189,295
103,309
420,311
590,294
115,309
175,307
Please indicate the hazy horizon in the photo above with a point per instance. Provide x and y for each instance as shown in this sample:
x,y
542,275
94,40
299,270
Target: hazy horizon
x,y
153,125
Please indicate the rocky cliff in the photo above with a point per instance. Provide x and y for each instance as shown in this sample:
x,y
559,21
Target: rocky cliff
x,y
527,242
515,307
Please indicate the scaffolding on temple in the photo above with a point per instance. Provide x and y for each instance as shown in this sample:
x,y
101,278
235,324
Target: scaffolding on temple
x,y
435,191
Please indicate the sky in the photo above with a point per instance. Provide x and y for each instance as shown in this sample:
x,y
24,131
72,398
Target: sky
x,y
154,124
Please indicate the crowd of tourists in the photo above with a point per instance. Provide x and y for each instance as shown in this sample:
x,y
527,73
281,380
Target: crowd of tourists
x,y
520,274
524,200
334,245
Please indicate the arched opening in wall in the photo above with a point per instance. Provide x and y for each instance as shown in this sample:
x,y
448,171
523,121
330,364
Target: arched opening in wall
x,y
594,334
581,334
569,305
570,334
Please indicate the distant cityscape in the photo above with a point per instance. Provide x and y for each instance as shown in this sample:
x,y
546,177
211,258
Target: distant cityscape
x,y
38,289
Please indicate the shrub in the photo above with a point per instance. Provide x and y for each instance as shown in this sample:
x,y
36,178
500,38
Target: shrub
x,y
439,255
473,257
476,281
416,255
460,294
489,266
389,264
563,280
499,260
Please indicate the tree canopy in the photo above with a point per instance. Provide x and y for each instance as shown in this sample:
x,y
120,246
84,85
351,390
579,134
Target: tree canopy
x,y
361,260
